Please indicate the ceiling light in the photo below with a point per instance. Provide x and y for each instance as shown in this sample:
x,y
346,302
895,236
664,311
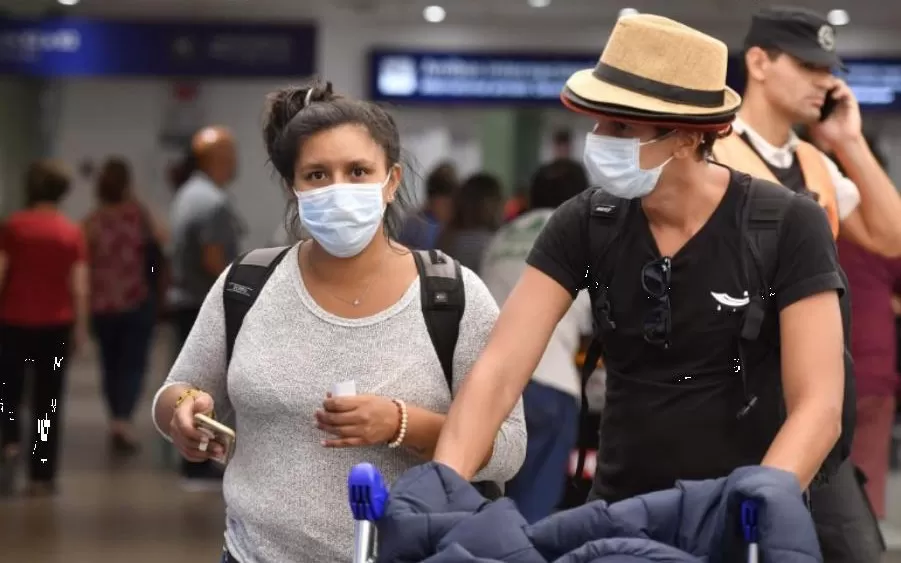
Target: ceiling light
x,y
434,14
539,3
838,17
626,12
68,2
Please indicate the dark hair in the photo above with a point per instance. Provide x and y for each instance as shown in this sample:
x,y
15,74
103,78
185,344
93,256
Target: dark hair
x,y
708,138
556,182
442,181
293,115
114,181
772,54
562,137
46,181
478,204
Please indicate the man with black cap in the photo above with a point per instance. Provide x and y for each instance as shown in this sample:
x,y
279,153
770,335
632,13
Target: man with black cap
x,y
790,55
721,336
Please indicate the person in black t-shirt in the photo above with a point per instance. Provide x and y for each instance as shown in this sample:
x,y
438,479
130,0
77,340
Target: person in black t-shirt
x,y
675,288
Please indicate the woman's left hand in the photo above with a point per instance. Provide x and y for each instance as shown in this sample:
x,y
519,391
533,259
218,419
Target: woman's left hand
x,y
361,420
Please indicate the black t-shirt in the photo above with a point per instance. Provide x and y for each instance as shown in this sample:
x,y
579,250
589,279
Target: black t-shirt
x,y
671,413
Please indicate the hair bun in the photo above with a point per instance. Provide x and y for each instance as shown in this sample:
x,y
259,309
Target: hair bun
x,y
285,103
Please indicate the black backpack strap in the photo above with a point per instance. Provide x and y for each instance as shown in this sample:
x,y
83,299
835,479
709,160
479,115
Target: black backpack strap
x,y
607,216
765,207
762,214
443,300
243,283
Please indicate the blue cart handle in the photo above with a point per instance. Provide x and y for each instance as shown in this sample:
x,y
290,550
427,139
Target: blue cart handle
x,y
749,520
367,492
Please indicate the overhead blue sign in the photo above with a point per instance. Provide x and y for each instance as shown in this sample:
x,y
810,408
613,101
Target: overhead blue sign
x,y
876,82
79,47
479,78
471,78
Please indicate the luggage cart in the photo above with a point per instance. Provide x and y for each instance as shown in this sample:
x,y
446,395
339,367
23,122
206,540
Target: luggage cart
x,y
368,495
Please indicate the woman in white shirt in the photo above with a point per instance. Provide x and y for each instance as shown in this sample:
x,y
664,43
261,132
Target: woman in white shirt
x,y
342,306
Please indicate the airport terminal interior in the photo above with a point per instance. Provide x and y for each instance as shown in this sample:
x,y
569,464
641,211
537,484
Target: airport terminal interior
x,y
96,88
110,511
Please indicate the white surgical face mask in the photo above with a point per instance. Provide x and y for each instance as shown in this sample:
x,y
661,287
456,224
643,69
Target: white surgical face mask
x,y
613,164
342,218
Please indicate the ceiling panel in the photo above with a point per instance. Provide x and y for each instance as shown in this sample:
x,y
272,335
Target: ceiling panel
x,y
871,13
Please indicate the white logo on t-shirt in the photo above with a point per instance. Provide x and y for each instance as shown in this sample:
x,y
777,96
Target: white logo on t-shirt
x,y
727,300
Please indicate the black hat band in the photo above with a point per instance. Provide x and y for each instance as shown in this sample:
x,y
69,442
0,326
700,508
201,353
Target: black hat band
x,y
660,90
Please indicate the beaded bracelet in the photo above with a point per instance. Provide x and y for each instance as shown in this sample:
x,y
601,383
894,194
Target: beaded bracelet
x,y
402,431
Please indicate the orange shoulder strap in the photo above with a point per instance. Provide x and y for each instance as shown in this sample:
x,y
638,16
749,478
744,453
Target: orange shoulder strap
x,y
819,181
733,152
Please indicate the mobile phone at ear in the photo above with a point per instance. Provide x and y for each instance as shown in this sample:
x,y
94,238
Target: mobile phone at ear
x,y
829,105
219,433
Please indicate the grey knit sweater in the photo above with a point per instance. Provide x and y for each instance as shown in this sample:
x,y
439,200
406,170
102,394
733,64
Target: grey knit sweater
x,y
286,495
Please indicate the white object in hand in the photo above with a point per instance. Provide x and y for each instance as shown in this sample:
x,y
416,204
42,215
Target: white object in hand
x,y
344,389
204,444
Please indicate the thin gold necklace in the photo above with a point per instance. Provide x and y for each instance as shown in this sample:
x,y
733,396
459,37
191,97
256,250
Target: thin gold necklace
x,y
355,302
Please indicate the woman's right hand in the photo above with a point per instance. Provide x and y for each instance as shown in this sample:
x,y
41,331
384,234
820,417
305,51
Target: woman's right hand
x,y
186,437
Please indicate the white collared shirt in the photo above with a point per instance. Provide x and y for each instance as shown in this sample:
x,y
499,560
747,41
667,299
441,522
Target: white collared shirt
x,y
847,196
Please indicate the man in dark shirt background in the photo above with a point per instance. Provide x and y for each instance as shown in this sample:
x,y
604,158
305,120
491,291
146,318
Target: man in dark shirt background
x,y
206,236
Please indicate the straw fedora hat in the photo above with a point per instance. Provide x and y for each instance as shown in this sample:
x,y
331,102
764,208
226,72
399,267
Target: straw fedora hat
x,y
654,66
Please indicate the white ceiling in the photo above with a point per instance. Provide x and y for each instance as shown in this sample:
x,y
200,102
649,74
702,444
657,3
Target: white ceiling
x,y
869,13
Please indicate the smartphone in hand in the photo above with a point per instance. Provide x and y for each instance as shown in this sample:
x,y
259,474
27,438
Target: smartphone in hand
x,y
829,105
219,433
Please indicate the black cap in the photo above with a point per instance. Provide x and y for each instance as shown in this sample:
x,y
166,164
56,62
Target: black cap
x,y
803,34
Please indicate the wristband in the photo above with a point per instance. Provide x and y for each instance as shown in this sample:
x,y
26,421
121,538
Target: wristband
x,y
402,430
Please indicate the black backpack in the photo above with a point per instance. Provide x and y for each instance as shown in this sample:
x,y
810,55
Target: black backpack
x,y
762,214
442,293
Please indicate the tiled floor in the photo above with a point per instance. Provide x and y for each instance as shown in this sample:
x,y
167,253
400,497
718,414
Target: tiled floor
x,y
110,512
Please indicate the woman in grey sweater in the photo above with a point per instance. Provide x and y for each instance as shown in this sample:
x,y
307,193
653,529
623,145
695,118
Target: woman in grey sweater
x,y
342,306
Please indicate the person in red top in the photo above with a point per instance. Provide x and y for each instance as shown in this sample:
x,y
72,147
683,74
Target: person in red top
x,y
122,237
43,297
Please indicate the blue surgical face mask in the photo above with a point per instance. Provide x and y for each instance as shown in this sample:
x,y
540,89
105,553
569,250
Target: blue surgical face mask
x,y
613,165
342,218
